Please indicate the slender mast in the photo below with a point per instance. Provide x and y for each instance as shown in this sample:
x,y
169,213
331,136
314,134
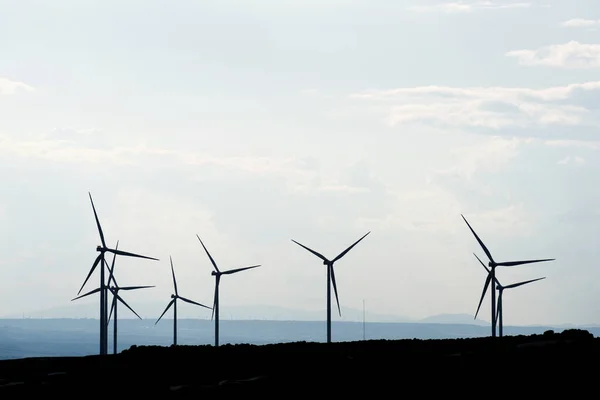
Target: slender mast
x,y
363,319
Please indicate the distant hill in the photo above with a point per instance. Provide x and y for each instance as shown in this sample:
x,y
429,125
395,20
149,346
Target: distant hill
x,y
152,310
453,319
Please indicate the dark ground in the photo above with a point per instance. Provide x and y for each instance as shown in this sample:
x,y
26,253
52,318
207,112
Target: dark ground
x,y
559,365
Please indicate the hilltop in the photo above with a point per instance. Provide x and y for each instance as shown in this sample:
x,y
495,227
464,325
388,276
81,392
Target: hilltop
x,y
536,364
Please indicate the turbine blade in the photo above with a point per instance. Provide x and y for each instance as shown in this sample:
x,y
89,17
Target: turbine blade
x,y
126,253
112,307
485,286
173,272
217,279
126,305
97,222
91,271
233,271
485,249
322,257
193,302
514,285
87,294
343,253
481,262
513,263
499,306
166,309
335,289
487,269
111,270
208,254
134,287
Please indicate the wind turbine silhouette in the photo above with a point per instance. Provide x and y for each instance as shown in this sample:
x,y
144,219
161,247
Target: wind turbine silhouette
x,y
492,274
114,301
217,274
102,249
115,292
501,288
173,303
331,279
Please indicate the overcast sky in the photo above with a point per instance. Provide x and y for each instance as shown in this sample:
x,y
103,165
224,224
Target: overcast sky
x,y
254,123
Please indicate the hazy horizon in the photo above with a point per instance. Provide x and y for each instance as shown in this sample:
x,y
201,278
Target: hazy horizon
x,y
79,337
255,123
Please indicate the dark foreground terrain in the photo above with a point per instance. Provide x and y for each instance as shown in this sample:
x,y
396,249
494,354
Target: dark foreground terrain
x,y
565,364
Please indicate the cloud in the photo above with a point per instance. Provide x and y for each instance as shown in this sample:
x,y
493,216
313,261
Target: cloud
x,y
488,156
8,86
300,175
580,23
570,160
573,55
494,108
591,145
462,6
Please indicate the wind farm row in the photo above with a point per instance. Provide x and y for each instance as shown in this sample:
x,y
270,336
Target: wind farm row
x,y
110,285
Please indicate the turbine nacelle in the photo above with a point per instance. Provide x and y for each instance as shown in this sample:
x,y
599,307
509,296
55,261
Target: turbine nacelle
x,y
214,273
327,263
99,248
173,296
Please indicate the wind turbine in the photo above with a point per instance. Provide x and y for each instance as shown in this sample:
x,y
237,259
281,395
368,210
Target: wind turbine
x,y
173,303
501,290
115,292
331,279
102,249
217,274
492,274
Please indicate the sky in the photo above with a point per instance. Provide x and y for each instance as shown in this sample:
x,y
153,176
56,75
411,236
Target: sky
x,y
254,123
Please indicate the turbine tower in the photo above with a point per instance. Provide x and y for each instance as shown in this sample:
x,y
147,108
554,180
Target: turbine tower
x,y
102,249
173,303
501,291
492,274
115,292
331,279
217,274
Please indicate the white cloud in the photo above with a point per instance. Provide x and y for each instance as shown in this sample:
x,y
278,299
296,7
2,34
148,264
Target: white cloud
x,y
580,23
8,86
591,145
511,220
488,155
573,55
570,160
490,107
65,146
462,6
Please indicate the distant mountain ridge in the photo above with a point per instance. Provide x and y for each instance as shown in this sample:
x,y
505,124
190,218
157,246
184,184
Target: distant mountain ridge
x,y
453,319
152,310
